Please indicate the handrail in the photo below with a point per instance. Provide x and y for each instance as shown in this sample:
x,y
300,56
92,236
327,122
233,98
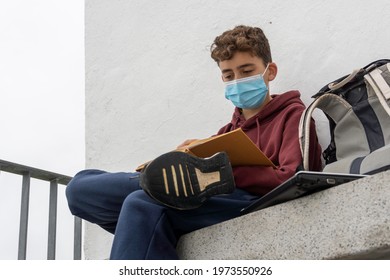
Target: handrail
x,y
27,173
36,173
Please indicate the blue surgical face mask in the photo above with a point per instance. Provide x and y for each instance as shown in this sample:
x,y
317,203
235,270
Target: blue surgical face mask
x,y
247,93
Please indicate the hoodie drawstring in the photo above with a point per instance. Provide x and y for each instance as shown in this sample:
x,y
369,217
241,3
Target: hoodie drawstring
x,y
258,133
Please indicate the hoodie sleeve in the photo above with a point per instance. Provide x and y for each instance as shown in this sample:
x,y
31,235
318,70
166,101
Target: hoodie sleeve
x,y
285,153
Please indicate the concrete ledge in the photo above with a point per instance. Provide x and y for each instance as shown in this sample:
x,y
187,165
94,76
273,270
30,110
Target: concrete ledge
x,y
350,221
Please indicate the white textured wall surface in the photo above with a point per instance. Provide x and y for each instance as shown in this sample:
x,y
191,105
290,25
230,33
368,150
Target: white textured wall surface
x,y
150,81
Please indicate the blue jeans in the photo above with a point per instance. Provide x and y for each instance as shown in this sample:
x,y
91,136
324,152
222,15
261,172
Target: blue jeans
x,y
143,228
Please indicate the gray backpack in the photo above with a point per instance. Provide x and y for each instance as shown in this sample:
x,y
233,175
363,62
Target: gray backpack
x,y
357,107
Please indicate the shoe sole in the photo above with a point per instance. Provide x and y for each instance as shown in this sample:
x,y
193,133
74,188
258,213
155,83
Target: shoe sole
x,y
183,181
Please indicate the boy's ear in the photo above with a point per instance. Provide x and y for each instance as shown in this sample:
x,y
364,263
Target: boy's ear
x,y
272,71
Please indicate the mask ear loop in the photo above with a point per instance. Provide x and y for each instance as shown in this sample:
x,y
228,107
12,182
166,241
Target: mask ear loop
x,y
266,68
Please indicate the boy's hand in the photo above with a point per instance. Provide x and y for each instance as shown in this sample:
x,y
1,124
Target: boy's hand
x,y
186,143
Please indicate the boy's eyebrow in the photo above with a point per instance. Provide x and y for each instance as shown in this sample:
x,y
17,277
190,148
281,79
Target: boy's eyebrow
x,y
239,67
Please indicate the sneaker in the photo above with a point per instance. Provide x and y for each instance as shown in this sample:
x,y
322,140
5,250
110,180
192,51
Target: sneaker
x,y
182,181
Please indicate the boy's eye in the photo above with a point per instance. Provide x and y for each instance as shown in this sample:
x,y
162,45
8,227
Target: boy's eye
x,y
247,71
228,77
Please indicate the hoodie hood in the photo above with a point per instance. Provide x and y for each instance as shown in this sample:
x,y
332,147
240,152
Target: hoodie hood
x,y
278,103
275,131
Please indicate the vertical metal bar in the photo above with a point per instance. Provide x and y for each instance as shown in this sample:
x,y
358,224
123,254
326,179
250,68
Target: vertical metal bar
x,y
77,238
24,216
51,242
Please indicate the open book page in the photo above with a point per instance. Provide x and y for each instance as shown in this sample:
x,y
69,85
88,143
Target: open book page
x,y
239,147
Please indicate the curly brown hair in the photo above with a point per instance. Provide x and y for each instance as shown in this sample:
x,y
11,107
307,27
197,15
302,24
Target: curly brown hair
x,y
241,38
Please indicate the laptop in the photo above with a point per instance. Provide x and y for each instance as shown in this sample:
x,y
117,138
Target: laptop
x,y
301,184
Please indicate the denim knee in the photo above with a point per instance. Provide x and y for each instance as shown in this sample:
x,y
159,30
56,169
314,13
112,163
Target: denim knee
x,y
77,190
139,202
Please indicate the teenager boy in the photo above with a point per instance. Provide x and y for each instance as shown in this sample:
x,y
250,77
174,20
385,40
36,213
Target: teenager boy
x,y
147,224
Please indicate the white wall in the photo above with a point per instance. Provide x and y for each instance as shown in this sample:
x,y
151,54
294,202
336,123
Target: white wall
x,y
150,81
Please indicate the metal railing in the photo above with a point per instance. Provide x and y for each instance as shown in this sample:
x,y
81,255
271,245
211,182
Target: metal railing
x,y
54,179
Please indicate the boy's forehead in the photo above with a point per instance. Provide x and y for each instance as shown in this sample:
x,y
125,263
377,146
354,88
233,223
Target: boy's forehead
x,y
241,59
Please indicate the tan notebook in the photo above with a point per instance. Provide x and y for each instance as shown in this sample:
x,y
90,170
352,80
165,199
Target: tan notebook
x,y
239,147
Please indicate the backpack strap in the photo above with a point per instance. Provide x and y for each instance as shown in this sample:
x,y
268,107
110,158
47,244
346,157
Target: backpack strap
x,y
339,84
379,80
333,106
355,75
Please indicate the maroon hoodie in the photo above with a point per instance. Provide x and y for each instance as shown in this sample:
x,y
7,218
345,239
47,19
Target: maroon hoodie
x,y
275,131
